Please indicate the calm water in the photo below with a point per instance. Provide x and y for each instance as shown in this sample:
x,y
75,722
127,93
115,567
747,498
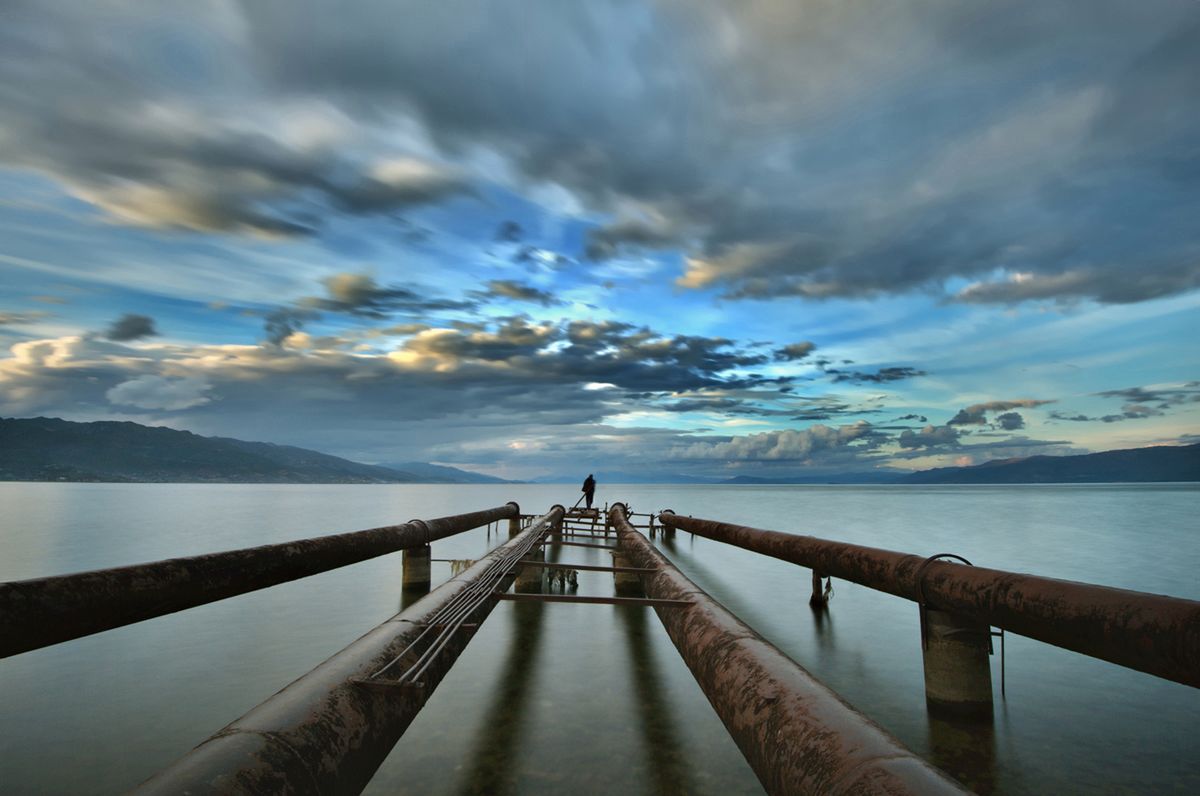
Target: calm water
x,y
594,699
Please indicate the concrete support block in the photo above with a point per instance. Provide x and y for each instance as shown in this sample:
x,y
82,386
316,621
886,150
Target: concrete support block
x,y
530,579
416,567
958,674
626,584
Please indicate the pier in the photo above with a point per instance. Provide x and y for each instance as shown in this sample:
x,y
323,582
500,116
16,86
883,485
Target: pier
x,y
329,730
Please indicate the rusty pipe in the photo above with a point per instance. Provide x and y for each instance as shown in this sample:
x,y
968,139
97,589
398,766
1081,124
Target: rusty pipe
x,y
328,731
1151,633
43,611
797,735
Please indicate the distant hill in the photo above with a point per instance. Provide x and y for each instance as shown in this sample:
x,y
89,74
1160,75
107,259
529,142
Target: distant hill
x,y
440,474
603,478
1161,463
882,477
48,449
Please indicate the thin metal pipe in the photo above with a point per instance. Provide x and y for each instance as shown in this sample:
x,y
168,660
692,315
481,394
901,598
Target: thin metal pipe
x,y
592,600
1151,633
328,731
797,735
43,611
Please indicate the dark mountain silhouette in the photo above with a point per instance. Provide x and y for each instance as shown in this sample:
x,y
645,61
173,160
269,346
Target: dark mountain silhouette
x,y
49,449
1159,463
439,474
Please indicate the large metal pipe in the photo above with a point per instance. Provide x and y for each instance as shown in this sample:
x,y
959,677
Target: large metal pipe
x,y
797,735
1152,633
43,611
328,731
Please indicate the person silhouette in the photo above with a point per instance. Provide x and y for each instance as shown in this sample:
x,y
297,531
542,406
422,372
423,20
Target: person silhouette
x,y
589,489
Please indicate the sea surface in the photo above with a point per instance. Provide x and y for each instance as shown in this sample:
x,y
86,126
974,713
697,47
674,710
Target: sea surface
x,y
553,699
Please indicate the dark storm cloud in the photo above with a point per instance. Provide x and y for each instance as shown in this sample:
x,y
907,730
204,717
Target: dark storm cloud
x,y
976,414
1010,421
131,327
361,295
509,232
518,291
929,437
281,323
1140,403
737,131
608,241
881,376
916,418
794,351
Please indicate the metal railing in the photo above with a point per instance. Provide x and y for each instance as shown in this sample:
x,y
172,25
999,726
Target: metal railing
x,y
43,611
1151,633
329,731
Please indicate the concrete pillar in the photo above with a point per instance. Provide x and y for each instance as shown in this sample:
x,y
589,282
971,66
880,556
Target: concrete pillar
x,y
529,579
514,522
818,590
415,575
416,567
626,584
958,674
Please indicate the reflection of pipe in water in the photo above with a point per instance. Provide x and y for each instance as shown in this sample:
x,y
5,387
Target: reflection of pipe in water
x,y
492,770
965,749
654,714
823,625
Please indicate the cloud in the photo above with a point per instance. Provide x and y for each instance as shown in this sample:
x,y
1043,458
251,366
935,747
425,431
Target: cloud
x,y
929,437
157,392
518,291
20,318
359,294
610,240
880,376
975,415
131,327
509,232
794,351
734,132
1010,421
818,444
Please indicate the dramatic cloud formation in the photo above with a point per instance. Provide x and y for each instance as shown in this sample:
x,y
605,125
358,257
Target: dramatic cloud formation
x,y
694,131
743,233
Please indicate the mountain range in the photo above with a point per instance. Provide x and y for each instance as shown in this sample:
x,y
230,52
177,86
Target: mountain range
x,y
50,449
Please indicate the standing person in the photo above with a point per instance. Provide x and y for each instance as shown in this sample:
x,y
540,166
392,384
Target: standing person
x,y
589,489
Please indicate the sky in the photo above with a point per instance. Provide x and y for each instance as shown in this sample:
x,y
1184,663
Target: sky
x,y
532,238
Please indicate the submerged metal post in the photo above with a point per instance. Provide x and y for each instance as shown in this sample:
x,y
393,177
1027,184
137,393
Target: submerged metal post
x,y
797,735
328,731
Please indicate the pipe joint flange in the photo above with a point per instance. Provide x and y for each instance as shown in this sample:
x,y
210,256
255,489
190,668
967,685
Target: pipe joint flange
x,y
516,506
426,533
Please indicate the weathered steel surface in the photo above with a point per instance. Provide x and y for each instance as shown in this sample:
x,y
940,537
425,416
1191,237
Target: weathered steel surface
x,y
1151,633
797,735
328,731
44,611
